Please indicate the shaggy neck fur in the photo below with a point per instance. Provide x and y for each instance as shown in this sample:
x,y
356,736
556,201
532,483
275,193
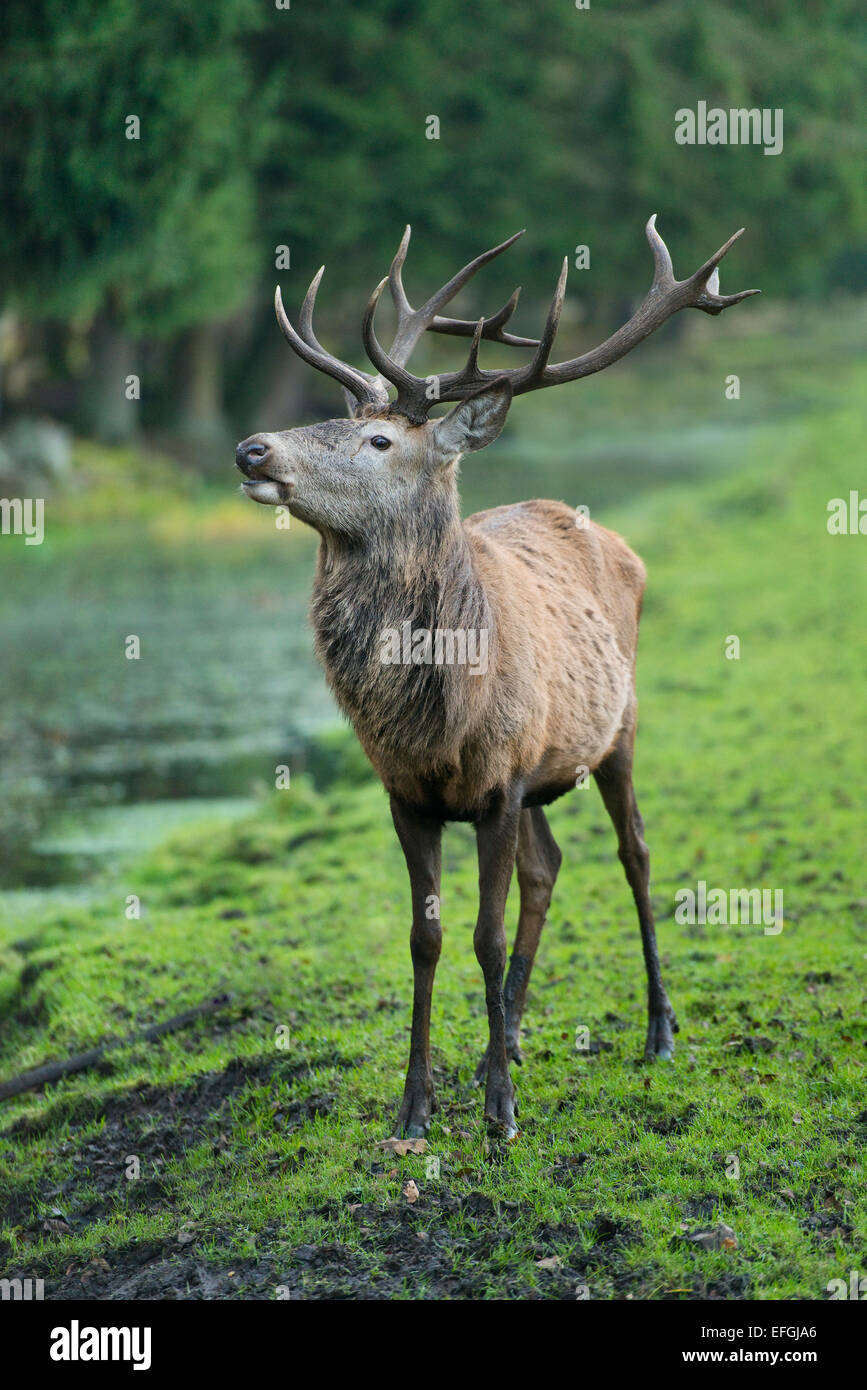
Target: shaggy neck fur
x,y
419,569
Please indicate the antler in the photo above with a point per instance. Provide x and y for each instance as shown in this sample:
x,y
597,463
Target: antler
x,y
361,385
665,297
411,324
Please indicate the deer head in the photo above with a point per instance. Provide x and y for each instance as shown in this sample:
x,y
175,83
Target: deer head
x,y
345,477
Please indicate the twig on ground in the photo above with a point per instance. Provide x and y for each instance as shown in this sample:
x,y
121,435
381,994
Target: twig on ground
x,y
80,1061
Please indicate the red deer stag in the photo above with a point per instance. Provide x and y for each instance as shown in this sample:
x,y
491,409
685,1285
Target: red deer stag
x,y
404,589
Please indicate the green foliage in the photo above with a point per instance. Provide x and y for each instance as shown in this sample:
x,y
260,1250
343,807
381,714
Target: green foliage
x,y
159,226
306,126
567,127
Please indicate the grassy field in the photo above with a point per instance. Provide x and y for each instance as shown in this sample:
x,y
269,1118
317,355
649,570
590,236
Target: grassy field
x,y
256,1132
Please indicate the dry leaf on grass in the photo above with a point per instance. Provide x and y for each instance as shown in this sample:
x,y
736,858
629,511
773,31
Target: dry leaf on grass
x,y
56,1226
720,1237
401,1147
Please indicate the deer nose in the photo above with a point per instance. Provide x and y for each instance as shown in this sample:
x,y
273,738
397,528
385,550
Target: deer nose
x,y
251,454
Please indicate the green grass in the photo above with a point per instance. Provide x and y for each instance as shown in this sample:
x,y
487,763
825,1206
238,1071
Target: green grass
x,y
264,1174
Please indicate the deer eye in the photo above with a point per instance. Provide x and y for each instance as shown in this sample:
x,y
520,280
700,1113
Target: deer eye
x,y
379,441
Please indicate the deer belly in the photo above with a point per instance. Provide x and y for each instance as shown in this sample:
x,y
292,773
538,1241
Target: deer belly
x,y
589,709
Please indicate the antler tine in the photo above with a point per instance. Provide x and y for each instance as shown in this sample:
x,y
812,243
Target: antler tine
x,y
464,328
706,276
389,367
455,385
378,387
412,323
395,278
663,271
536,369
362,386
409,321
713,261
471,366
457,282
305,318
711,301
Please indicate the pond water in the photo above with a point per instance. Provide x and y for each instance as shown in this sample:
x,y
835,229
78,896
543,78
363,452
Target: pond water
x,y
224,689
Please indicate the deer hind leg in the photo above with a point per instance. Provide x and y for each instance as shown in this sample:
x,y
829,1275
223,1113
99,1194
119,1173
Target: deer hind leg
x,y
420,839
497,837
538,859
614,779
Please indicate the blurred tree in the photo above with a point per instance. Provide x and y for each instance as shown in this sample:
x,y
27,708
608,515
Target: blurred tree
x,y
307,127
127,190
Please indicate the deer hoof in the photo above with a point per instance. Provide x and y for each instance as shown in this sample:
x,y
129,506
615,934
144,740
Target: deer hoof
x,y
505,1130
414,1131
416,1127
413,1121
500,1107
660,1036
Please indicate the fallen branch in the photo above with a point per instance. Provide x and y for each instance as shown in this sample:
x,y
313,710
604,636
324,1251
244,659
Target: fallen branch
x,y
80,1061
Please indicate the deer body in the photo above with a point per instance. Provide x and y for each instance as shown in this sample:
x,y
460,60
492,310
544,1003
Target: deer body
x,y
554,606
559,607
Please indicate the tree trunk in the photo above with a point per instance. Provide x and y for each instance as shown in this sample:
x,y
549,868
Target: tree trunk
x,y
279,401
109,403
201,422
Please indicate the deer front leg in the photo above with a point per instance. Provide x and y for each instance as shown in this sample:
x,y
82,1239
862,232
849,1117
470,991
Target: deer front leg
x,y
497,837
420,839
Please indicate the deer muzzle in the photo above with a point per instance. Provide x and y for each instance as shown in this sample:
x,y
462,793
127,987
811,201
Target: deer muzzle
x,y
256,460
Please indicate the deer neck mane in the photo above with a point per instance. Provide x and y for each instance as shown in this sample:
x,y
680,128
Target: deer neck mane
x,y
374,599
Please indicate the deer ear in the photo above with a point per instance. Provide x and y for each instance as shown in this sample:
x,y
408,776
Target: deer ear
x,y
474,422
